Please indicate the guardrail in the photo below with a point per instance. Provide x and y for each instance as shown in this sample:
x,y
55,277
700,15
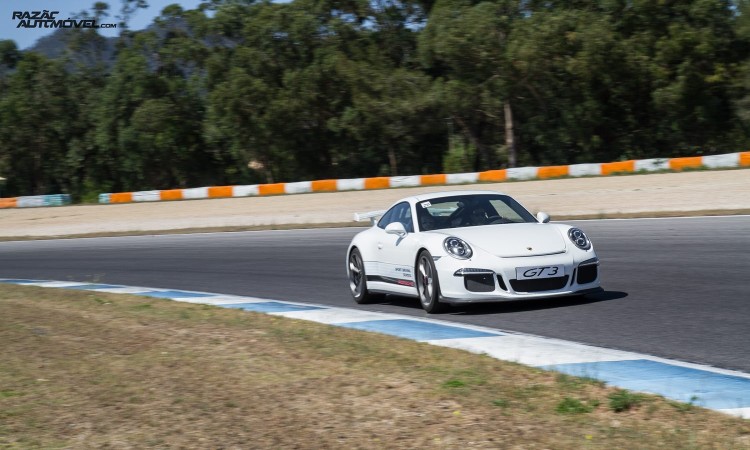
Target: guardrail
x,y
357,184
34,201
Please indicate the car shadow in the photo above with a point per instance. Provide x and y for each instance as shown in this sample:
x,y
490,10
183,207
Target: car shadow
x,y
401,302
512,306
535,304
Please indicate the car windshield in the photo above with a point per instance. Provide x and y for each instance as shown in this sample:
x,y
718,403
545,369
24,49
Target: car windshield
x,y
470,211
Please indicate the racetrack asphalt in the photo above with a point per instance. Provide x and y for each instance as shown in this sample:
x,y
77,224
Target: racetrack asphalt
x,y
674,288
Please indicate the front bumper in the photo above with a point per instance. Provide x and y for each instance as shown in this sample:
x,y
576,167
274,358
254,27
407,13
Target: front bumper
x,y
486,278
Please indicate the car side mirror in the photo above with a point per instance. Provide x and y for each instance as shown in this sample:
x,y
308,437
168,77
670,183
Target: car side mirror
x,y
542,217
396,228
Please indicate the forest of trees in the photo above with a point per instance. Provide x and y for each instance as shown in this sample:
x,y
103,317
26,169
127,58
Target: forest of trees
x,y
241,92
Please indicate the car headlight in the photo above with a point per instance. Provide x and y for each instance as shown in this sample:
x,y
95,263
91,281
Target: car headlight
x,y
579,238
457,248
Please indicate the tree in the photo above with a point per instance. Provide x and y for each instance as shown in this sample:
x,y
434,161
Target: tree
x,y
36,115
465,43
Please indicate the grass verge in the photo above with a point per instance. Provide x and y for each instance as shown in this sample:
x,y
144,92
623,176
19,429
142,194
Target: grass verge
x,y
93,370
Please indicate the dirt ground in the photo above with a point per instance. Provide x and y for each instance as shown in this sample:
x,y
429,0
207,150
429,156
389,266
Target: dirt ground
x,y
721,190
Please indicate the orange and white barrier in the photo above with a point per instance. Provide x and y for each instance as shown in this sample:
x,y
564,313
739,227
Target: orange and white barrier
x,y
34,201
491,176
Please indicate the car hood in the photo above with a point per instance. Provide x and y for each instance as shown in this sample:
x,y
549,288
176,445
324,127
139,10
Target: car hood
x,y
512,239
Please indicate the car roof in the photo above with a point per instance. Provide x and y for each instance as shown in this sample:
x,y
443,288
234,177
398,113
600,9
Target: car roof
x,y
431,195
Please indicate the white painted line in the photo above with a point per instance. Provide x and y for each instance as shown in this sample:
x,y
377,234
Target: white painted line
x,y
659,218
332,316
218,300
743,413
123,290
535,351
56,284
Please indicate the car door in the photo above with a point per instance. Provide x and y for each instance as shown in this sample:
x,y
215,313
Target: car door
x,y
398,252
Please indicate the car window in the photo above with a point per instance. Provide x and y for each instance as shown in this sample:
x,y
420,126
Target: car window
x,y
503,209
399,213
386,218
405,217
470,210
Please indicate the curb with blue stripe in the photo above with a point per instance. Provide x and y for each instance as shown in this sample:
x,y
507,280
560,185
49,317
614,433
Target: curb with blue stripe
x,y
710,387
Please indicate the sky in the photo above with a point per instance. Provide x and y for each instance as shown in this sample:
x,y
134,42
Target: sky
x,y
26,37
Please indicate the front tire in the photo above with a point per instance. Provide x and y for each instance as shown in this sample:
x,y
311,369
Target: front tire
x,y
358,279
428,285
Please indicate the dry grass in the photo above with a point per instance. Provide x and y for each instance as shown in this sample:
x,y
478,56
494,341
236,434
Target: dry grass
x,y
92,370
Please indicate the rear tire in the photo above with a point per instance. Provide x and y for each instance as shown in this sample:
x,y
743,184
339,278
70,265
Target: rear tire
x,y
428,285
358,280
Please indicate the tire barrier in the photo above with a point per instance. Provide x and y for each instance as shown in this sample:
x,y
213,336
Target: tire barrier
x,y
729,160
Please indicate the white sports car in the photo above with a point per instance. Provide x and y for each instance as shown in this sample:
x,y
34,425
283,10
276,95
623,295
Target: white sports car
x,y
468,246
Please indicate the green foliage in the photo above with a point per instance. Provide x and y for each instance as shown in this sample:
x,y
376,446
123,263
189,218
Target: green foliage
x,y
9,393
570,405
460,157
268,92
577,383
624,400
9,54
684,407
454,384
501,403
37,112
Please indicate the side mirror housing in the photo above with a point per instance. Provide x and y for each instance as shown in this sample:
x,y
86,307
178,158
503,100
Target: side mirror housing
x,y
542,217
396,228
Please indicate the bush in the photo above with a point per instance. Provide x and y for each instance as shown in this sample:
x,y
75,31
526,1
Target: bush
x,y
623,400
574,406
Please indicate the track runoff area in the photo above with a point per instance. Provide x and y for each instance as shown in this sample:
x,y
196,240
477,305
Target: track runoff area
x,y
721,390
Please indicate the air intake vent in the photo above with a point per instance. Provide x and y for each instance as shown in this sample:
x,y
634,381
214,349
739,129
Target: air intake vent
x,y
542,284
587,274
479,282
